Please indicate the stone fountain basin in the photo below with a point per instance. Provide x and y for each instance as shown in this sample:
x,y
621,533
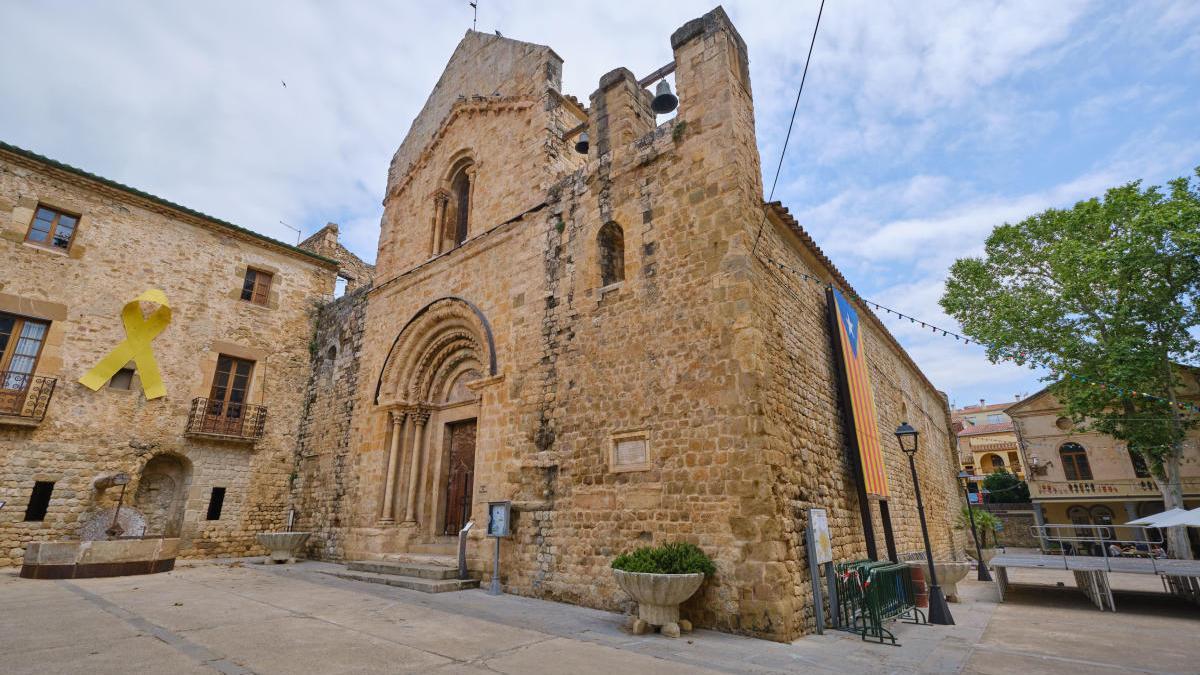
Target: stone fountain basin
x,y
659,595
949,573
282,545
104,558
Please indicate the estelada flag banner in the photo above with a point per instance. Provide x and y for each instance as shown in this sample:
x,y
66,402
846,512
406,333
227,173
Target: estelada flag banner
x,y
856,390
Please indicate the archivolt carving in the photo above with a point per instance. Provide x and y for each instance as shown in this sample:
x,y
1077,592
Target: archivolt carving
x,y
443,339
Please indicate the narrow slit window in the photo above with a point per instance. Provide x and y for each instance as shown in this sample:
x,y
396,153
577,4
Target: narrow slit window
x,y
256,287
39,501
611,244
215,502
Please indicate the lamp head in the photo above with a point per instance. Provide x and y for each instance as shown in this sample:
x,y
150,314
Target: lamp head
x,y
907,436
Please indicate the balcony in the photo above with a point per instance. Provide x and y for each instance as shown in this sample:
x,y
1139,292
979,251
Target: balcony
x,y
1104,489
24,397
239,422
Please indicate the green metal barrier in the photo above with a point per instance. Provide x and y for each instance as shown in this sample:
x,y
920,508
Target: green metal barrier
x,y
871,592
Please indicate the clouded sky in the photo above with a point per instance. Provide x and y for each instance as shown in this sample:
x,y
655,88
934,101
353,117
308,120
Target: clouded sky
x,y
923,124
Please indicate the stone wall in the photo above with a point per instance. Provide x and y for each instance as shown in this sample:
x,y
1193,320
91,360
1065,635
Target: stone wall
x,y
1018,520
324,242
803,416
128,242
324,484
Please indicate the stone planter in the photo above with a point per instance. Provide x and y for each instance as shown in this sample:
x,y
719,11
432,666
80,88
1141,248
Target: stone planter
x,y
282,545
988,554
658,597
948,574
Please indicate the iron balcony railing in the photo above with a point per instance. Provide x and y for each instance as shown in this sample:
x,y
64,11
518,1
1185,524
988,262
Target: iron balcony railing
x,y
25,396
222,419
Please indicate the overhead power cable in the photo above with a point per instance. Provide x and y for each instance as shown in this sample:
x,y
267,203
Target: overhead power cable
x,y
791,123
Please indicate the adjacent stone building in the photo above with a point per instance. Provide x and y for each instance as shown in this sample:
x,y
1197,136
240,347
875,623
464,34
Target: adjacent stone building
x,y
212,459
628,345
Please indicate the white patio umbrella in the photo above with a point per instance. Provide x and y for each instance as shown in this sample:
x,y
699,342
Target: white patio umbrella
x,y
1185,519
1159,519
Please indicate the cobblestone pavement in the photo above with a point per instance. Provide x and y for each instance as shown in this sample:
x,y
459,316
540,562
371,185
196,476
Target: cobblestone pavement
x,y
248,618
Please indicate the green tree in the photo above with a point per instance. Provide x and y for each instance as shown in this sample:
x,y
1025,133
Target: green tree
x,y
1104,295
1004,487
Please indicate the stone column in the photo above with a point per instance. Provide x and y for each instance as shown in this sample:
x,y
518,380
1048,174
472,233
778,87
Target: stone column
x,y
419,419
1131,513
439,225
399,431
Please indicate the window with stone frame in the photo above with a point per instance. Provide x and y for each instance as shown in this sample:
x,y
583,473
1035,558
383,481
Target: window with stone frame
x,y
256,287
21,342
52,228
611,250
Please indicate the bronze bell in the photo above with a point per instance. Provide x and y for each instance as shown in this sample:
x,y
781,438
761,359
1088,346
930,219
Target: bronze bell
x,y
664,101
581,145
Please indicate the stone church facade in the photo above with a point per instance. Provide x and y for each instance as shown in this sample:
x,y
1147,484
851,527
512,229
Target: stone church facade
x,y
627,344
597,339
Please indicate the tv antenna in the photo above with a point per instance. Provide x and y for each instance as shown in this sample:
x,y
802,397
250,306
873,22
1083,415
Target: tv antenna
x,y
293,229
474,13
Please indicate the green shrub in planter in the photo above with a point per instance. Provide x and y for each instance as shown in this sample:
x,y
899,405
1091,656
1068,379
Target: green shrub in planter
x,y
677,558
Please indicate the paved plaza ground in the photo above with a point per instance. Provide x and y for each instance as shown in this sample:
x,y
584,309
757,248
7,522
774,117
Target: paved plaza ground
x,y
249,618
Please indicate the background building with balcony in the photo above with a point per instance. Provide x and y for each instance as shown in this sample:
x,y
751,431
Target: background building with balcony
x,y
986,441
210,461
1082,477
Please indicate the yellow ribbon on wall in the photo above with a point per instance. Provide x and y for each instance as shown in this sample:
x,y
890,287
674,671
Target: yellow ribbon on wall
x,y
139,331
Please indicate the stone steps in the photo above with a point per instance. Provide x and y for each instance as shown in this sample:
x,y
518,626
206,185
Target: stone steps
x,y
404,568
409,582
425,573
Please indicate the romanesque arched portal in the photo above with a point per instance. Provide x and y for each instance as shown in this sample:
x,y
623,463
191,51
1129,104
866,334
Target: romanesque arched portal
x,y
433,415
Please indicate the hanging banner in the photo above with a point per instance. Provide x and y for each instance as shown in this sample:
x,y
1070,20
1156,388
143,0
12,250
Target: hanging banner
x,y
139,331
857,395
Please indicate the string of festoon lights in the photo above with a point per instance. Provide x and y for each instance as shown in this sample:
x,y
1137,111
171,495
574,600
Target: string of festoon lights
x,y
1019,357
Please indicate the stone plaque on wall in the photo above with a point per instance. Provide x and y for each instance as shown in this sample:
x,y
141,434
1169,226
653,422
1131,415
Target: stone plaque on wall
x,y
629,453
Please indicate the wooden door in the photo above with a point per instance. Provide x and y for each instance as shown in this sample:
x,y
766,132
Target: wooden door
x,y
227,400
460,478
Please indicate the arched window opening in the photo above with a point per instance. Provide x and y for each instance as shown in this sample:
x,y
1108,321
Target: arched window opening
x,y
1075,462
611,241
460,197
452,207
1139,464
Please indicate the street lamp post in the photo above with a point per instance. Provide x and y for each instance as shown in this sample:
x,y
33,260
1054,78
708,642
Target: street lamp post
x,y
984,574
939,611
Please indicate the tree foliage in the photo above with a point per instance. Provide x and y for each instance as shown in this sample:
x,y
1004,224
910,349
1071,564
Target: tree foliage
x,y
1004,487
1104,295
